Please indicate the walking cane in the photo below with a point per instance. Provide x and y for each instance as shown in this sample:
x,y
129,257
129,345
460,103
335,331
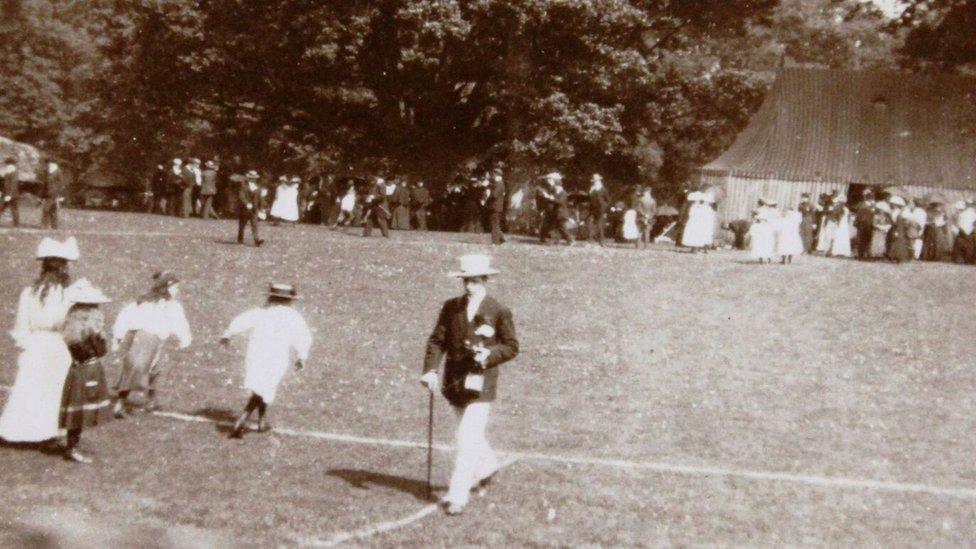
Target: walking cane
x,y
430,440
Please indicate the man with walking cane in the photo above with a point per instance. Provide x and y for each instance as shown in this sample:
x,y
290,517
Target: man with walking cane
x,y
477,334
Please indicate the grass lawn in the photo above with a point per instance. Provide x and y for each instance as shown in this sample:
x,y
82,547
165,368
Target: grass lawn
x,y
822,369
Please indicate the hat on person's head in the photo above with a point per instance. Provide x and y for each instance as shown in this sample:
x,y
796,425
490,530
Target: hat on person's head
x,y
252,175
296,179
82,291
553,177
772,203
883,206
897,200
840,199
67,250
284,291
282,178
597,177
164,279
211,164
474,265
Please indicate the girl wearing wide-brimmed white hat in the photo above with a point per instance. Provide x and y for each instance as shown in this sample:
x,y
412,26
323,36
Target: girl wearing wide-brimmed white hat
x,y
34,403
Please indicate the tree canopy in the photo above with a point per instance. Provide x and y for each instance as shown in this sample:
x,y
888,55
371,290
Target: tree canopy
x,y
641,90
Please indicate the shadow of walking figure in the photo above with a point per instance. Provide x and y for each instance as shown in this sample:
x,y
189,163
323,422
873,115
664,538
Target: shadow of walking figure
x,y
363,479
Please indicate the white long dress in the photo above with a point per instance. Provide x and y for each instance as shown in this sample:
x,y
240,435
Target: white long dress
x,y
285,205
762,235
788,240
630,229
700,229
841,245
34,403
273,334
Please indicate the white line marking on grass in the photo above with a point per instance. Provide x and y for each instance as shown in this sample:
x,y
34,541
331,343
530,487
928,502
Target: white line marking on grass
x,y
660,467
380,527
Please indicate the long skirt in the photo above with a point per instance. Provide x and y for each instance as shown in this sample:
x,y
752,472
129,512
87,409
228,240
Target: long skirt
x,y
936,243
762,240
841,246
34,403
140,367
401,218
85,401
806,235
878,243
825,238
899,246
964,249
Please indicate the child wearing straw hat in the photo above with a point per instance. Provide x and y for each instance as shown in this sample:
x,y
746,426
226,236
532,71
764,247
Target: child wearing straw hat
x,y
476,334
142,329
278,337
85,400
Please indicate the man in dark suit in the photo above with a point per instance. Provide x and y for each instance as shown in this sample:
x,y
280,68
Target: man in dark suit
x,y
10,196
250,200
599,200
174,183
419,202
208,190
497,208
377,210
52,190
476,333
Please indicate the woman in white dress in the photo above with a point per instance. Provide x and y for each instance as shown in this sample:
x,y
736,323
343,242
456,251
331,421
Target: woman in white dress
x,y
33,407
788,239
631,232
699,232
841,245
762,233
285,207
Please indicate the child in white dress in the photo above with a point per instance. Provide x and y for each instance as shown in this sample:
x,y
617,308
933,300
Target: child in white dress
x,y
275,332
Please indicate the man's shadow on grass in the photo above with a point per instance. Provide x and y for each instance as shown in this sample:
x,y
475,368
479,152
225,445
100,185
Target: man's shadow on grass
x,y
222,417
363,479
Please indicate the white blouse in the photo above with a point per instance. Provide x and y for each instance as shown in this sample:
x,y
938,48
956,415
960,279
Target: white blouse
x,y
161,318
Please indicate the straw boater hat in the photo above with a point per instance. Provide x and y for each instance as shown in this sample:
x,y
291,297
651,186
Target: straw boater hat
x,y
473,265
553,177
285,291
67,250
252,175
82,291
164,279
694,196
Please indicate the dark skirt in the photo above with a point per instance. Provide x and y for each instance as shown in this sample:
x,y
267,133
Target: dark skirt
x,y
899,246
85,401
936,243
963,250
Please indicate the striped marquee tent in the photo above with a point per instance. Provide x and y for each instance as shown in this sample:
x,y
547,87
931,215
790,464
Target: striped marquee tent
x,y
824,130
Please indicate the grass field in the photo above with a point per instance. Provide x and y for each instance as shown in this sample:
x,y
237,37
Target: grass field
x,y
660,398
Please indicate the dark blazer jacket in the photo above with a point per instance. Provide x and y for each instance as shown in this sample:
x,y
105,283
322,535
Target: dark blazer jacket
x,y
52,184
448,337
246,196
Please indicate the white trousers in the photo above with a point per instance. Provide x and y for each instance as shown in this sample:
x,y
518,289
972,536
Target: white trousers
x,y
475,460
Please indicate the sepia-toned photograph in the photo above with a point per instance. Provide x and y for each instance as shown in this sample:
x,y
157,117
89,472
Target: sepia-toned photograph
x,y
487,273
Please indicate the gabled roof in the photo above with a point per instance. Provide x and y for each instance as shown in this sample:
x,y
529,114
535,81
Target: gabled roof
x,y
873,127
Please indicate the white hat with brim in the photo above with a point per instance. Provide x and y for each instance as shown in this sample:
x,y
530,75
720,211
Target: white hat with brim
x,y
695,196
473,265
897,200
553,176
284,291
252,175
67,250
82,291
883,206
707,197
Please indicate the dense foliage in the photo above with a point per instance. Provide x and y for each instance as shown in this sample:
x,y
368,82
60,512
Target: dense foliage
x,y
639,89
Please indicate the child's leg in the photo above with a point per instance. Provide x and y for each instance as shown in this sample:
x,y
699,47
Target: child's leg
x,y
251,405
